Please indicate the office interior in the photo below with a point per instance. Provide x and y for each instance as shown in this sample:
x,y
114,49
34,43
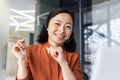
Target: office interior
x,y
96,26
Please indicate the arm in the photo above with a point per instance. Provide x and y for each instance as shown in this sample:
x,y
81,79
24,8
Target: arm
x,y
71,72
22,70
20,52
76,67
67,72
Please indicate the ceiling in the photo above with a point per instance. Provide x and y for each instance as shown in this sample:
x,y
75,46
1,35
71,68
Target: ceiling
x,y
22,15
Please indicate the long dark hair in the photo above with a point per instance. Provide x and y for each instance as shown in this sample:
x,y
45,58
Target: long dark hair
x,y
70,45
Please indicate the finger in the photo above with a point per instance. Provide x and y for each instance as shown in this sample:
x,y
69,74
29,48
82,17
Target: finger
x,y
56,54
48,50
17,49
53,52
20,45
22,40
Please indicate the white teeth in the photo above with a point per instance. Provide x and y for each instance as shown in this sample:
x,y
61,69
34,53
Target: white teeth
x,y
60,36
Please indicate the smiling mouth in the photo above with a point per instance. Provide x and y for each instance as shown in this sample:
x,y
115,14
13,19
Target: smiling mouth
x,y
61,37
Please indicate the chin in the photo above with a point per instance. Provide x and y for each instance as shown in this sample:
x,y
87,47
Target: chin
x,y
59,43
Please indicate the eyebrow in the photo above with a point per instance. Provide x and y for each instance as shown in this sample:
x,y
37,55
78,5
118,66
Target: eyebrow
x,y
61,21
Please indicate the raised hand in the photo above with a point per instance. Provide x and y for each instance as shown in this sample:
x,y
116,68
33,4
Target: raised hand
x,y
19,50
56,53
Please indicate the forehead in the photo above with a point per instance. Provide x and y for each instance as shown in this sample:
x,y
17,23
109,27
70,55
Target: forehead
x,y
63,17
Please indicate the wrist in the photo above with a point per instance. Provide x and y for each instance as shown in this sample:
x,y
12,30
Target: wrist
x,y
23,62
64,62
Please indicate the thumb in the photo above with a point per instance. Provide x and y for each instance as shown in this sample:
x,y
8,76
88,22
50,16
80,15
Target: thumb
x,y
48,50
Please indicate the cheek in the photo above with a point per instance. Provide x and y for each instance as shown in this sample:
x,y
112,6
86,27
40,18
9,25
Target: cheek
x,y
50,31
69,34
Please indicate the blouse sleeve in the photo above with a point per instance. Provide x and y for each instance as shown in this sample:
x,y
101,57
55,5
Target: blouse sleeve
x,y
29,76
77,68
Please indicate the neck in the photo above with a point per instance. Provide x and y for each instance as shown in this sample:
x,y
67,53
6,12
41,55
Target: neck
x,y
54,44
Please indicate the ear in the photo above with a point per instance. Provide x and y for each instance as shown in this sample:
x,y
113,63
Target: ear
x,y
47,29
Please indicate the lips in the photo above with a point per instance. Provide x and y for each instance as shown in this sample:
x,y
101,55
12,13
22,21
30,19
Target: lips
x,y
61,37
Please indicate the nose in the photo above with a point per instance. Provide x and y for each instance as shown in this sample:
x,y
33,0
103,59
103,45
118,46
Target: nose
x,y
62,29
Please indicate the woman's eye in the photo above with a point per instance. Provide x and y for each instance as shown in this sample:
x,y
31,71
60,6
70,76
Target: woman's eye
x,y
57,24
69,27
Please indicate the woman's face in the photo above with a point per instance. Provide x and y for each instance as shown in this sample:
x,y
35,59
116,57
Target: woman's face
x,y
59,29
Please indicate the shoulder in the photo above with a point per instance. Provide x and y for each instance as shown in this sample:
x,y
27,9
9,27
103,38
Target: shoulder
x,y
38,46
34,46
34,49
73,54
73,58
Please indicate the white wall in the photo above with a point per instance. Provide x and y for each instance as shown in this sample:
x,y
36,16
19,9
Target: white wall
x,y
4,30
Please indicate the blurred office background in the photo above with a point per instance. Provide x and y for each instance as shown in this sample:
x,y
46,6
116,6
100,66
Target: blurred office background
x,y
97,26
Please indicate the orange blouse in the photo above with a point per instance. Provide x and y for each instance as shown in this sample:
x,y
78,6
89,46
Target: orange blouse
x,y
41,66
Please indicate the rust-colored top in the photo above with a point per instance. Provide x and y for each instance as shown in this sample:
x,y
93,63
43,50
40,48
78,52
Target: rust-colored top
x,y
41,66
